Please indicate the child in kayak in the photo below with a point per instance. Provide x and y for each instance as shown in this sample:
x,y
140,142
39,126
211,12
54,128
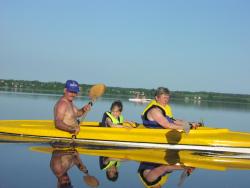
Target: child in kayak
x,y
114,118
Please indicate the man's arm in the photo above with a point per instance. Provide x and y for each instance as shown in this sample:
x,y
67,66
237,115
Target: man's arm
x,y
85,109
156,115
59,116
78,162
193,125
160,170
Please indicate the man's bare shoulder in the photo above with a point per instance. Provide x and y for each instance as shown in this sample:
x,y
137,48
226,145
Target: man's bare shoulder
x,y
61,104
154,113
155,110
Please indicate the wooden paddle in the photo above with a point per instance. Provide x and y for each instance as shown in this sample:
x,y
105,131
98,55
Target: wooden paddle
x,y
95,92
91,181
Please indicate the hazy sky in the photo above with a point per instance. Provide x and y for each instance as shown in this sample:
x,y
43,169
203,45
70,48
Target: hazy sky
x,y
191,45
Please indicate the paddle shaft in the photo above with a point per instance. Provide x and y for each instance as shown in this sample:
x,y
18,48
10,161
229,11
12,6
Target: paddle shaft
x,y
85,113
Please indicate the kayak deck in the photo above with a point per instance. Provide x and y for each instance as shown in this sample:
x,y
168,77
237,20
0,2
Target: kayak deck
x,y
203,136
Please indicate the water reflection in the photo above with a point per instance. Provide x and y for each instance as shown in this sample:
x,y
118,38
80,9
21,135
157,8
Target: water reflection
x,y
212,105
113,156
147,167
150,173
29,95
64,158
181,103
110,166
155,175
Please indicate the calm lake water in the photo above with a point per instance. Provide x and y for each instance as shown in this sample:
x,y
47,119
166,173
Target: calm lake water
x,y
23,167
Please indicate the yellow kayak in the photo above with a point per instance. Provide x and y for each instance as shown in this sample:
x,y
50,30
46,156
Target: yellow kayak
x,y
214,161
203,138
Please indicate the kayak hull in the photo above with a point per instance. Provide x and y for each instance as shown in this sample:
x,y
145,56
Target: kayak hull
x,y
203,136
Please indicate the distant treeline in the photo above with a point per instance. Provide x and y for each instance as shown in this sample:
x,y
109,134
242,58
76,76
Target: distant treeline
x,y
57,88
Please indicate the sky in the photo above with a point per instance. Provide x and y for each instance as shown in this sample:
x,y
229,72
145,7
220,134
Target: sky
x,y
194,45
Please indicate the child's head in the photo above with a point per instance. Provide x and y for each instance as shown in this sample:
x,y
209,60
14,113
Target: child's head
x,y
112,173
116,108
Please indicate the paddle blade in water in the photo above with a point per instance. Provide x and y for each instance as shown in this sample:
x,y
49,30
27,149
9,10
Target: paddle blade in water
x,y
91,181
96,91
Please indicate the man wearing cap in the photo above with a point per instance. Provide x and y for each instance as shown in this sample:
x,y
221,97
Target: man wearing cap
x,y
65,112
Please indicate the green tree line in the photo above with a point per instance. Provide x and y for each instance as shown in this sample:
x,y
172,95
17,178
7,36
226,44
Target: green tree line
x,y
119,92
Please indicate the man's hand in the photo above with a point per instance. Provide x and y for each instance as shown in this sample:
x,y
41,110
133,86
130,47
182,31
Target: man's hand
x,y
186,127
86,108
77,130
194,125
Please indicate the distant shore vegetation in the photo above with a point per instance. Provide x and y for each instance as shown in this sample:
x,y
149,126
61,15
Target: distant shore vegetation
x,y
119,92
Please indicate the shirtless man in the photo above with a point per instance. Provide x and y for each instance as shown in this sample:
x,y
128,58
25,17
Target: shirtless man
x,y
65,112
61,161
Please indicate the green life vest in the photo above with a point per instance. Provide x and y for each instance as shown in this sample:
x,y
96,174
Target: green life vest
x,y
112,163
162,180
115,121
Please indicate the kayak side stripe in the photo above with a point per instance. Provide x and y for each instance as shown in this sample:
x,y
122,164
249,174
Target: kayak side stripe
x,y
149,145
167,146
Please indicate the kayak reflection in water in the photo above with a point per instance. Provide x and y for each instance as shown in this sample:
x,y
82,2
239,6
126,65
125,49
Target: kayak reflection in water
x,y
154,175
158,113
64,159
111,166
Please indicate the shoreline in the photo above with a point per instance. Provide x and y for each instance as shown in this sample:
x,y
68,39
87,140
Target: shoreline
x,y
56,88
174,100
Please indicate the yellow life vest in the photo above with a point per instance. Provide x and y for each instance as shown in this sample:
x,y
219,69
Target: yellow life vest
x,y
161,182
167,109
115,121
112,163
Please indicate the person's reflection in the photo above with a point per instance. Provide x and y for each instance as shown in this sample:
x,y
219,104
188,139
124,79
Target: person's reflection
x,y
110,165
64,159
154,175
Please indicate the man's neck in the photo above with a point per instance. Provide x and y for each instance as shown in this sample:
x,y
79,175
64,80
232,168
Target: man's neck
x,y
66,99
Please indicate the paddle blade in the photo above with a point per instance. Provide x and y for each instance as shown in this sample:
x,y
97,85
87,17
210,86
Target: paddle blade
x,y
96,91
91,181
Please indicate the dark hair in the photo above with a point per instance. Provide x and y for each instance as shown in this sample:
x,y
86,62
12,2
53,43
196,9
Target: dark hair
x,y
117,103
162,90
65,184
114,178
